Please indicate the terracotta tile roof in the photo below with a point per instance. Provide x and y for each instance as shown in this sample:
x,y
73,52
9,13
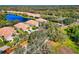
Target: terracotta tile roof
x,y
32,22
32,14
41,20
6,31
22,26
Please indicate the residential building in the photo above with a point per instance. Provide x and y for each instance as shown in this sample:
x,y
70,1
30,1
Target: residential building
x,y
32,14
7,33
22,26
32,23
41,20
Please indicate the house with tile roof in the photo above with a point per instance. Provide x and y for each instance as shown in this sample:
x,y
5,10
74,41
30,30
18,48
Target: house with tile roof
x,y
41,20
32,23
22,26
7,33
32,14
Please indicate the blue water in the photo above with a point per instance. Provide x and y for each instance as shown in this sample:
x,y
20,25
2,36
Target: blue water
x,y
13,17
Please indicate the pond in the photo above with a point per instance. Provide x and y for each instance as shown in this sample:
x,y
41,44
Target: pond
x,y
13,17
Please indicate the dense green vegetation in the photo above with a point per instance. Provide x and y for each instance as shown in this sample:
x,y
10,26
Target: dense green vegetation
x,y
66,35
73,32
68,21
1,42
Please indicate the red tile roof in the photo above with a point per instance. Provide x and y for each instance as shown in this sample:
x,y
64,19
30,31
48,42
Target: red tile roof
x,y
32,22
41,20
6,31
22,26
32,14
